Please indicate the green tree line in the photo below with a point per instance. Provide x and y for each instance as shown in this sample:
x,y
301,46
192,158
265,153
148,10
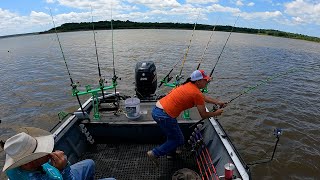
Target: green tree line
x,y
117,24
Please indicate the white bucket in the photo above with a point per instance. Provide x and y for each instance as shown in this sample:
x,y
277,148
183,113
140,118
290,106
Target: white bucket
x,y
132,108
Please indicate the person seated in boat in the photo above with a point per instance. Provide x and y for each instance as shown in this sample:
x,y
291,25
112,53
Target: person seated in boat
x,y
29,156
168,108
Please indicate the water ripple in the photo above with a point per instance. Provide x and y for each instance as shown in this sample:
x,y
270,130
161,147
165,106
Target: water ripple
x,y
35,85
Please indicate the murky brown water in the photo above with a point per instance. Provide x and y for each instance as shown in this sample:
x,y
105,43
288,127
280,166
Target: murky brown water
x,y
35,86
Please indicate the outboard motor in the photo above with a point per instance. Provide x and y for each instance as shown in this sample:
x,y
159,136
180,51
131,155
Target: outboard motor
x,y
146,79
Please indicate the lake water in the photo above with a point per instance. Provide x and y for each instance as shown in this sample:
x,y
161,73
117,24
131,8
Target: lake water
x,y
35,86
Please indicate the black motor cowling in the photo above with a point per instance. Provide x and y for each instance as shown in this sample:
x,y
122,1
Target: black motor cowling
x,y
146,79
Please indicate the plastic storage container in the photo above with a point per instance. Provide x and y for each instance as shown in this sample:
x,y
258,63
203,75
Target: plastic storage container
x,y
132,106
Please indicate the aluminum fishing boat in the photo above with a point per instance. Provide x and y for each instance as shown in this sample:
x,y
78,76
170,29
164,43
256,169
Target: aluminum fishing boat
x,y
116,131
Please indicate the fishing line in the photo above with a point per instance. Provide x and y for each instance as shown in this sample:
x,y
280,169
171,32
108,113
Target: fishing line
x,y
65,62
167,78
224,46
101,81
186,54
251,88
205,49
247,91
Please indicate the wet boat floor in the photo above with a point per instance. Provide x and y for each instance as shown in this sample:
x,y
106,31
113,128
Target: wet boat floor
x,y
130,161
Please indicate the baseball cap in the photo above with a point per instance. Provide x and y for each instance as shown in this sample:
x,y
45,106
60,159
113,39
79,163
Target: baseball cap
x,y
199,74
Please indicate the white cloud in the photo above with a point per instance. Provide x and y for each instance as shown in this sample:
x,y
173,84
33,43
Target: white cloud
x,y
50,1
298,20
6,15
296,12
219,8
155,4
239,3
72,17
250,4
303,11
83,4
12,23
39,17
201,1
261,15
103,8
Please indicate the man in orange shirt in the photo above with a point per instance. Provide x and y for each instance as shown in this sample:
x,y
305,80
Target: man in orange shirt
x,y
169,108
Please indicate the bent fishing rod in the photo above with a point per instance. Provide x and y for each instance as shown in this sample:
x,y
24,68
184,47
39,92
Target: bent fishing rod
x,y
223,47
251,88
73,85
101,80
167,78
205,49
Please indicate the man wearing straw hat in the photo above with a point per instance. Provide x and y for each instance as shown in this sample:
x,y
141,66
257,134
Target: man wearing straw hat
x,y
29,156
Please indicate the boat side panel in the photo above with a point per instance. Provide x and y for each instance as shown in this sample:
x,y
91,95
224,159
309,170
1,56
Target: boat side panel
x,y
71,140
133,133
222,150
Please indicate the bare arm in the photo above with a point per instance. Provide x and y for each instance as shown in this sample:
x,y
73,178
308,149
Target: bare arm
x,y
204,114
214,101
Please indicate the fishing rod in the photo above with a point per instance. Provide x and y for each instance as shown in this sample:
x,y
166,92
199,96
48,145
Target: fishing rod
x,y
73,85
251,88
197,134
194,146
214,108
101,80
205,49
224,47
115,77
167,78
186,54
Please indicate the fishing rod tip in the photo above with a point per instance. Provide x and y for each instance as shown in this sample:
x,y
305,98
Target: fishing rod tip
x,y
277,132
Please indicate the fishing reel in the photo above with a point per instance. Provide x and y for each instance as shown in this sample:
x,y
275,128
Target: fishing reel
x,y
101,82
215,108
114,78
74,86
178,78
165,80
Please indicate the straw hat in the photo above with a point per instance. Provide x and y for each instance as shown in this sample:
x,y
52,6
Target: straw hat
x,y
185,174
30,144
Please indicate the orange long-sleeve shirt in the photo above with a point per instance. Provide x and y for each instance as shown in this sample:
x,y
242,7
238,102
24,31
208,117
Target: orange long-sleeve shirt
x,y
181,98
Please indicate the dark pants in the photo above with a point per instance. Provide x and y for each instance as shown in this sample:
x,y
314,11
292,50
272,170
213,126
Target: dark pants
x,y
171,129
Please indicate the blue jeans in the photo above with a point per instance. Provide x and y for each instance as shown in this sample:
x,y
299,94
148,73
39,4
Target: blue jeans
x,y
84,170
171,129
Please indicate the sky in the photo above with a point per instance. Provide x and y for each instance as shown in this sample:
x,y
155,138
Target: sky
x,y
296,16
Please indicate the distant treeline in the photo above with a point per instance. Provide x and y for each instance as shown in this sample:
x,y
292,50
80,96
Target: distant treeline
x,y
103,25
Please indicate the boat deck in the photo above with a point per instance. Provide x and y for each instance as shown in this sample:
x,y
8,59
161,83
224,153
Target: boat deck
x,y
123,156
145,111
129,161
